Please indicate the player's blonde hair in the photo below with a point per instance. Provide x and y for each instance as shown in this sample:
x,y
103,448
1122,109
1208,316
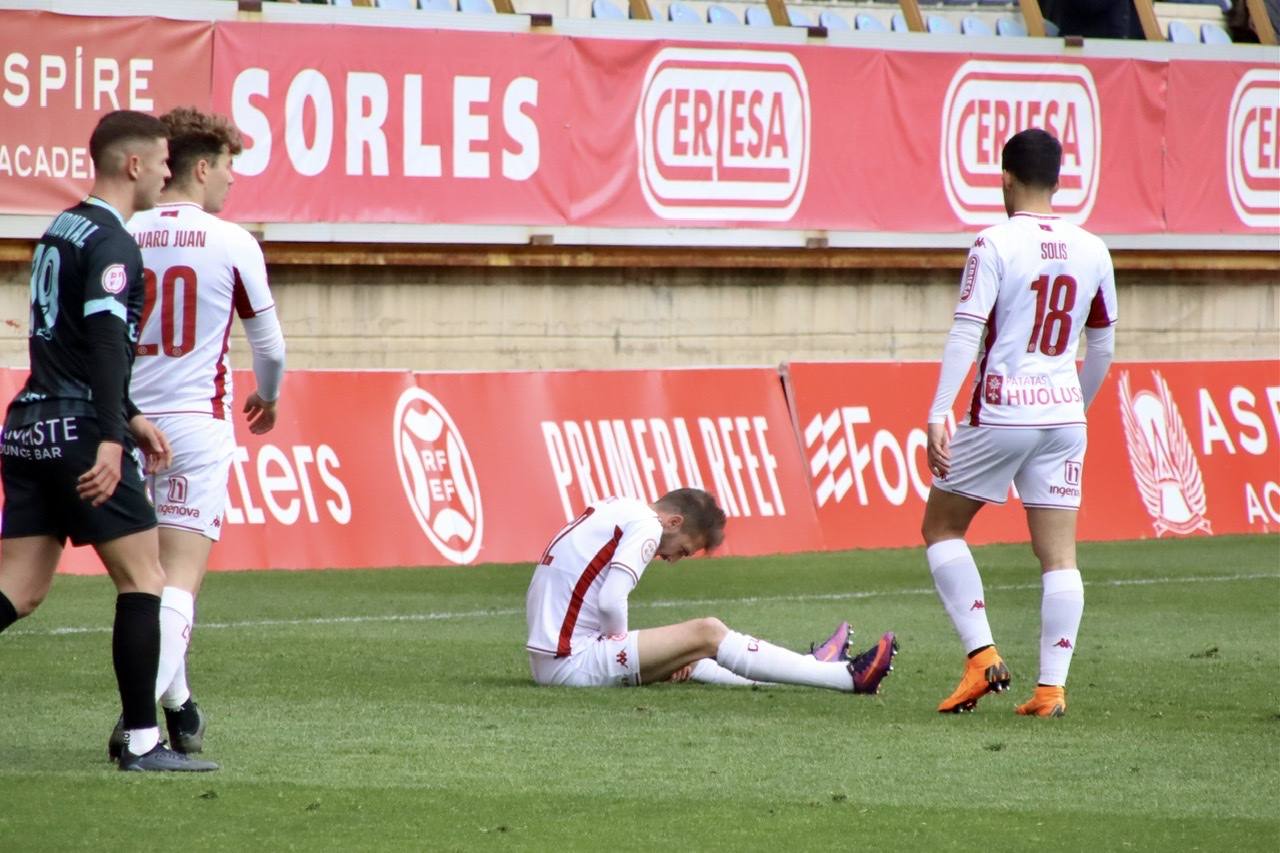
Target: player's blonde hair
x,y
196,136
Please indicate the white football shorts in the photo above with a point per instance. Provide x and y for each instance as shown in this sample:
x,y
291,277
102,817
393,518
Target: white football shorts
x,y
1045,464
613,660
192,493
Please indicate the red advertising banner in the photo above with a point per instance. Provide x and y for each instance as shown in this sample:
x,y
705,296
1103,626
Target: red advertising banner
x,y
1222,164
386,125
380,124
847,138
394,468
1175,448
62,72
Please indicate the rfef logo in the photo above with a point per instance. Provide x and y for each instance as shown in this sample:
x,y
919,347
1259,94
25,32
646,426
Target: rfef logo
x,y
1253,148
988,102
438,476
723,134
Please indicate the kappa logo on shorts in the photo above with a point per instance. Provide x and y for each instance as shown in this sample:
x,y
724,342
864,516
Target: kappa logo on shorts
x,y
438,477
114,278
723,134
621,658
988,102
1165,468
1253,148
177,490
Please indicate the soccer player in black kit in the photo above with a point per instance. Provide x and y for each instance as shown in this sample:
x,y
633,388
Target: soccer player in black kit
x,y
66,456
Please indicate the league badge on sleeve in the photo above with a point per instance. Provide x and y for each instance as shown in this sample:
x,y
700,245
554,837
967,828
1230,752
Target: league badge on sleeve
x,y
114,279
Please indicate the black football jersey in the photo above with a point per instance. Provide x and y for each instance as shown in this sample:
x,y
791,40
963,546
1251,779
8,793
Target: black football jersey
x,y
86,263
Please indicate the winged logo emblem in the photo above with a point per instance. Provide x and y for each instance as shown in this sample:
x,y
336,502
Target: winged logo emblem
x,y
1165,468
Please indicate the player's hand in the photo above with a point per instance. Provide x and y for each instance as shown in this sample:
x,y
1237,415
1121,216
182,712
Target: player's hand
x,y
260,413
153,443
939,450
684,673
98,484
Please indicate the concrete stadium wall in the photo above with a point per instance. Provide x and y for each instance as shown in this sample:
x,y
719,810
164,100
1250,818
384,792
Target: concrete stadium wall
x,y
503,317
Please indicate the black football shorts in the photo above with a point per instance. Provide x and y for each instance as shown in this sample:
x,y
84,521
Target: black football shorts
x,y
39,465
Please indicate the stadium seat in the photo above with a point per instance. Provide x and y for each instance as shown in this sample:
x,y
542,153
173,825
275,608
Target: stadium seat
x,y
939,25
720,15
834,22
397,4
899,24
799,18
871,24
476,7
1214,34
971,25
606,10
1180,33
682,13
438,5
1006,26
758,16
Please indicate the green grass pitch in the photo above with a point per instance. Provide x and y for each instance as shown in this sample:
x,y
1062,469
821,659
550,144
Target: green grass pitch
x,y
393,710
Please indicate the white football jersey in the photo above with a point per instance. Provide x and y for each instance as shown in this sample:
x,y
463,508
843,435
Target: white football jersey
x,y
562,608
1035,281
200,272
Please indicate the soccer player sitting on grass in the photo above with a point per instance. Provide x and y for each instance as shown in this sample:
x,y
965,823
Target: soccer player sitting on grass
x,y
576,608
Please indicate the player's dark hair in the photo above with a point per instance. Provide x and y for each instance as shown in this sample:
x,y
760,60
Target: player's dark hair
x,y
116,128
702,517
1034,157
195,136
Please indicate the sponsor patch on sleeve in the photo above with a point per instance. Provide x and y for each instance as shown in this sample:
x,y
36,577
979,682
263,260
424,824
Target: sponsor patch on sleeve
x,y
647,550
114,278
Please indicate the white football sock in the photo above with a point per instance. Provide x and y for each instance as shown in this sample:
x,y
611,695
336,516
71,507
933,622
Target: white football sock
x,y
955,576
177,613
760,661
141,741
1060,611
708,671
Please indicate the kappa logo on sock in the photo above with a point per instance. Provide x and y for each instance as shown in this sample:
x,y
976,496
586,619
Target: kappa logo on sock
x,y
622,658
978,604
1063,643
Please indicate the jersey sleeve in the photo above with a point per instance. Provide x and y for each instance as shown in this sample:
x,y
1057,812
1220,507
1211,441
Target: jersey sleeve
x,y
639,544
980,283
1103,311
113,262
252,295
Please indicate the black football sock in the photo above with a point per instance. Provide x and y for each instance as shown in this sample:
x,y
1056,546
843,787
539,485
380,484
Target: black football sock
x,y
8,613
135,650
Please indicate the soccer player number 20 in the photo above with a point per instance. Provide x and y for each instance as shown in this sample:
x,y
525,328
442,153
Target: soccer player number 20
x,y
167,297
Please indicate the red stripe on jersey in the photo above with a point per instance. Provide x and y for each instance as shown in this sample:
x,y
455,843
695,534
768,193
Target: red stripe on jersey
x,y
240,297
168,213
220,373
1098,318
597,564
978,388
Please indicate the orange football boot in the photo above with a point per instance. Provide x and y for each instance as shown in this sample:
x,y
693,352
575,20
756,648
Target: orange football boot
x,y
1045,702
984,673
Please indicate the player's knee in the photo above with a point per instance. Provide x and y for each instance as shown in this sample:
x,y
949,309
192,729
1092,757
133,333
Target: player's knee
x,y
711,631
24,604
